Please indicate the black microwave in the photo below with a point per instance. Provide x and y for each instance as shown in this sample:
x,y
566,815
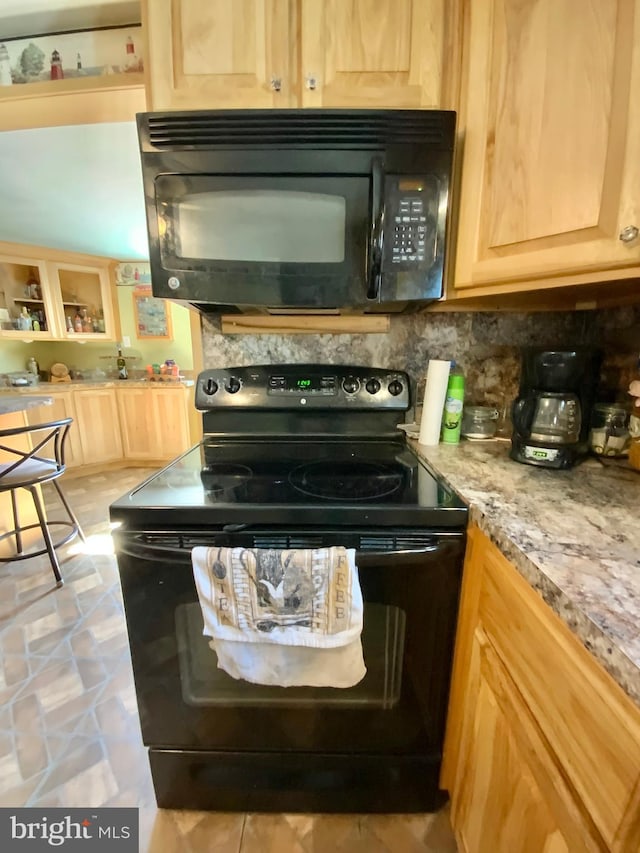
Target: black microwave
x,y
297,210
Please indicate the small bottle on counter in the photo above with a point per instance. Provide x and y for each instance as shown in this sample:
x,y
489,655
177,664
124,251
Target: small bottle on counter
x,y
453,403
634,421
121,364
32,366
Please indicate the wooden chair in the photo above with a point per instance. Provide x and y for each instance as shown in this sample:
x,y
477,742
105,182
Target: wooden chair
x,y
27,469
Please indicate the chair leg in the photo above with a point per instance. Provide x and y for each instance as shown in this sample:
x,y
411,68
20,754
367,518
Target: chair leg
x,y
55,565
16,522
70,512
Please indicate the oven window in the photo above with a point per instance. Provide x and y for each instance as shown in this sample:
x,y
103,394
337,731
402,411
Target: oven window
x,y
261,225
383,642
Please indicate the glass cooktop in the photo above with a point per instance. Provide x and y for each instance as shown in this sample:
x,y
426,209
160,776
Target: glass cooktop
x,y
353,480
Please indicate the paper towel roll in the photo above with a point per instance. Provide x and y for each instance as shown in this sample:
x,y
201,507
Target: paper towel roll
x,y
435,391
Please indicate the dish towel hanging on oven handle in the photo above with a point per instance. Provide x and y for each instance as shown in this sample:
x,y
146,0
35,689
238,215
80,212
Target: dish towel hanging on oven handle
x,y
283,617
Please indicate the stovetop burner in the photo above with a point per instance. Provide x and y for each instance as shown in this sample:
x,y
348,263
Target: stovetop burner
x,y
345,481
223,476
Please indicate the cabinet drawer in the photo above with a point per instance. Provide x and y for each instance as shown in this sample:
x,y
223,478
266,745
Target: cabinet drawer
x,y
592,727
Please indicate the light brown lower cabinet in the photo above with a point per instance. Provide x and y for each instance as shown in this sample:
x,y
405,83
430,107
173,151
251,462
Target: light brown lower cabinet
x,y
148,424
543,747
24,502
63,406
98,425
154,421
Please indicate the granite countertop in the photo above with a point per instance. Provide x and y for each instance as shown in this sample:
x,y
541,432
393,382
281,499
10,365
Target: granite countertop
x,y
52,387
574,535
19,402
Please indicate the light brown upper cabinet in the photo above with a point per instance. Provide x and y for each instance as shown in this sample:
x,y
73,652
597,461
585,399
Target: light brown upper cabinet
x,y
50,294
372,53
550,181
298,53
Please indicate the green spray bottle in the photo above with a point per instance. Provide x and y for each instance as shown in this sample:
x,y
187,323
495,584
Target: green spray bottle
x,y
454,400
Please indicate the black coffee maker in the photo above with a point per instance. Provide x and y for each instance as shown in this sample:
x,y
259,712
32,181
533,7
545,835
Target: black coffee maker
x,y
552,411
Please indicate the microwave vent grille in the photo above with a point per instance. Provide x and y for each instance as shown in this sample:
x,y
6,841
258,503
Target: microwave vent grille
x,y
298,128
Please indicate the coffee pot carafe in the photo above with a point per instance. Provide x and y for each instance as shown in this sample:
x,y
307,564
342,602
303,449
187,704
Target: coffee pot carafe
x,y
551,413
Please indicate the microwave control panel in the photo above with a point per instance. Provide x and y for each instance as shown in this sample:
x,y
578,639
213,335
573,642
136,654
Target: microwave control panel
x,y
410,221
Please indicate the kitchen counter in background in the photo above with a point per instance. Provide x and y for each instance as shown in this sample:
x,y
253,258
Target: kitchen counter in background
x,y
48,387
14,401
573,535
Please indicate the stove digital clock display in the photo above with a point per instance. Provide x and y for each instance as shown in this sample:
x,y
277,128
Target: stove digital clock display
x,y
287,383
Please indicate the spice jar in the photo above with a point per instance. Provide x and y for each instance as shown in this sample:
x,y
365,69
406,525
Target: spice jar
x,y
609,435
634,447
479,422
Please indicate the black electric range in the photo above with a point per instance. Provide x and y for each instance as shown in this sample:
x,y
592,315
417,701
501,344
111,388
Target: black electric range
x,y
294,481
296,456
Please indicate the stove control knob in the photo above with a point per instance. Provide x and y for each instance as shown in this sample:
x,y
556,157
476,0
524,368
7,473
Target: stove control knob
x,y
350,384
233,385
372,386
210,387
395,388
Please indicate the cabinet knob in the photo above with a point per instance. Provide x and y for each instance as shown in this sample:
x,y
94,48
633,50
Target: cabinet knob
x,y
628,234
276,84
311,81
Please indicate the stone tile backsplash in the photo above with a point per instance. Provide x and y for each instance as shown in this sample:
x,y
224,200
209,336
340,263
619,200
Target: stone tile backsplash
x,y
485,344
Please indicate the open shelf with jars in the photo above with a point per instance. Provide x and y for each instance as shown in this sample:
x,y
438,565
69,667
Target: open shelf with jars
x,y
26,309
56,296
85,300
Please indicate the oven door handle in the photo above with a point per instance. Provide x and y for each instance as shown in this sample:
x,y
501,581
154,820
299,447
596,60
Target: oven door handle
x,y
152,551
390,558
149,550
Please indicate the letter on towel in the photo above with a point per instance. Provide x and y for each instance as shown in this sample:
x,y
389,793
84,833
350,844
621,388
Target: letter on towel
x,y
283,617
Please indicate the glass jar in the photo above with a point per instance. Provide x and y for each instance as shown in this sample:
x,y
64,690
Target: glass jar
x,y
609,434
634,446
479,422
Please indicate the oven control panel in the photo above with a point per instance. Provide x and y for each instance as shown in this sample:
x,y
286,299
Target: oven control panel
x,y
303,386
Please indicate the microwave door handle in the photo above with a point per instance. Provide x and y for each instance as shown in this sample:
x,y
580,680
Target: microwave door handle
x,y
374,255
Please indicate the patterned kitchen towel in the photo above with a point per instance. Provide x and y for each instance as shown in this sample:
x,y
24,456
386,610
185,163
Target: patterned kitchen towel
x,y
283,617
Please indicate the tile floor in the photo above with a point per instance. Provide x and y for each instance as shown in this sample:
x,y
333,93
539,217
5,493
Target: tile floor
x,y
69,733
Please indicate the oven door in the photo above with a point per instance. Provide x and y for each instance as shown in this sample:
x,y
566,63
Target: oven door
x,y
263,240
410,584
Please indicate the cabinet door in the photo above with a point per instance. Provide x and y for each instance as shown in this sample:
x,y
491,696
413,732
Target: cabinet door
x,y
172,419
550,174
98,424
154,422
25,506
83,301
501,805
138,421
26,300
62,407
539,737
218,54
359,53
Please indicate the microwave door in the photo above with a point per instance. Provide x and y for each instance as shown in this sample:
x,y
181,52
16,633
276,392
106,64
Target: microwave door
x,y
273,241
